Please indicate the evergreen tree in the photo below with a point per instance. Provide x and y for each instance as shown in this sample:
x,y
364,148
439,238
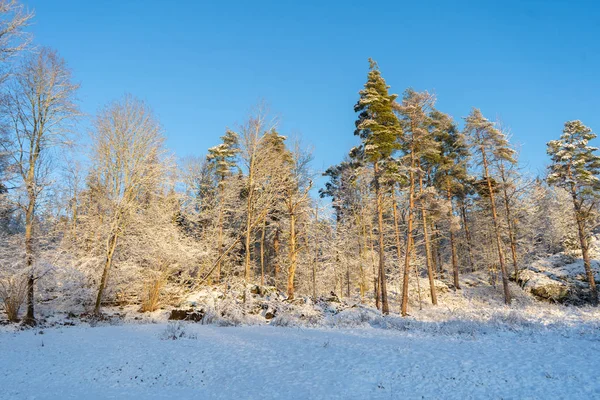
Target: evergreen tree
x,y
575,167
491,145
378,127
222,159
451,171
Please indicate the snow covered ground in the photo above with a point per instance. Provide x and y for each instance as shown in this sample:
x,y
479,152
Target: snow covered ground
x,y
138,361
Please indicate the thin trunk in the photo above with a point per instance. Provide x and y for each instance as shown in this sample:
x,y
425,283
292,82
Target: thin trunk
x,y
30,316
314,266
452,242
249,216
418,287
362,248
396,226
110,251
496,229
509,224
262,253
375,274
293,254
29,220
276,254
348,279
385,308
220,234
584,247
409,235
361,269
436,261
428,257
463,211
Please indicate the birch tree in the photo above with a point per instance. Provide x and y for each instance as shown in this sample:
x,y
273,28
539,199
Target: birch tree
x,y
14,18
296,187
40,108
128,162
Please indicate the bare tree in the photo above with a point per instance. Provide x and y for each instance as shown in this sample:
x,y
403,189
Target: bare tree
x,y
128,162
40,107
297,187
14,17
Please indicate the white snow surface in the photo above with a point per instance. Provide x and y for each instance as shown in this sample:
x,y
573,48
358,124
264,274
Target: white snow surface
x,y
420,359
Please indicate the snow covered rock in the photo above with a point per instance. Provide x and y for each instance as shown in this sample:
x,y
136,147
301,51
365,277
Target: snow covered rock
x,y
186,315
558,278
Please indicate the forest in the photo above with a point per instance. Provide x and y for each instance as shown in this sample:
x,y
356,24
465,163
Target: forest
x,y
422,200
428,262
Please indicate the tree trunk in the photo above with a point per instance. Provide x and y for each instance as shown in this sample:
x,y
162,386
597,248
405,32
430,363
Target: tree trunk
x,y
463,212
220,233
452,242
396,226
385,308
276,254
496,230
110,251
428,257
584,248
30,316
361,268
375,271
409,234
249,217
509,224
293,254
262,253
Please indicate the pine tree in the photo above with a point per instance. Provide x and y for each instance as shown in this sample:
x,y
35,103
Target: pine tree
x,y
451,172
222,159
419,148
490,144
575,167
378,128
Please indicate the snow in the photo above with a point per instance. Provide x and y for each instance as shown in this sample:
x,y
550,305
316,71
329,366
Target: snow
x,y
249,362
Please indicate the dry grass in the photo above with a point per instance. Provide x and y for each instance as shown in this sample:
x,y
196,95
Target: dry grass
x,y
151,294
13,292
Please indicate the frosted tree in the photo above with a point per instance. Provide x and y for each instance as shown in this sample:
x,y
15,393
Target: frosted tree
x,y
258,166
419,147
575,167
508,176
14,18
296,189
40,108
128,164
488,144
222,158
349,188
451,173
378,127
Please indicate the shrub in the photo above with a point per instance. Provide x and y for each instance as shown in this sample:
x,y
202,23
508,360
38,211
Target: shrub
x,y
13,292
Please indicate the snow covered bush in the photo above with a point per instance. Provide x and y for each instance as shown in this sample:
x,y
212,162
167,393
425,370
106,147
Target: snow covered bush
x,y
176,330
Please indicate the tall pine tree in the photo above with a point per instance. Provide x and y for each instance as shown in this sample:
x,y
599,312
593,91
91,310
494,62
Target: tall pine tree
x,y
378,127
490,144
575,167
222,159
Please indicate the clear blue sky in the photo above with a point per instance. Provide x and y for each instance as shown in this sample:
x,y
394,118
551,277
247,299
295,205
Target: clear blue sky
x,y
202,64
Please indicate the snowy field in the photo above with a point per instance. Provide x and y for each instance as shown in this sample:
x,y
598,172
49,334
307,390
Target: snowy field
x,y
138,361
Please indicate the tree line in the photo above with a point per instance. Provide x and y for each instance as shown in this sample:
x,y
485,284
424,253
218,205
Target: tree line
x,y
418,197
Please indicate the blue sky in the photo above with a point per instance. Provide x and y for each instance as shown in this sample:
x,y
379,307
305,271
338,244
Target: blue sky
x,y
202,65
